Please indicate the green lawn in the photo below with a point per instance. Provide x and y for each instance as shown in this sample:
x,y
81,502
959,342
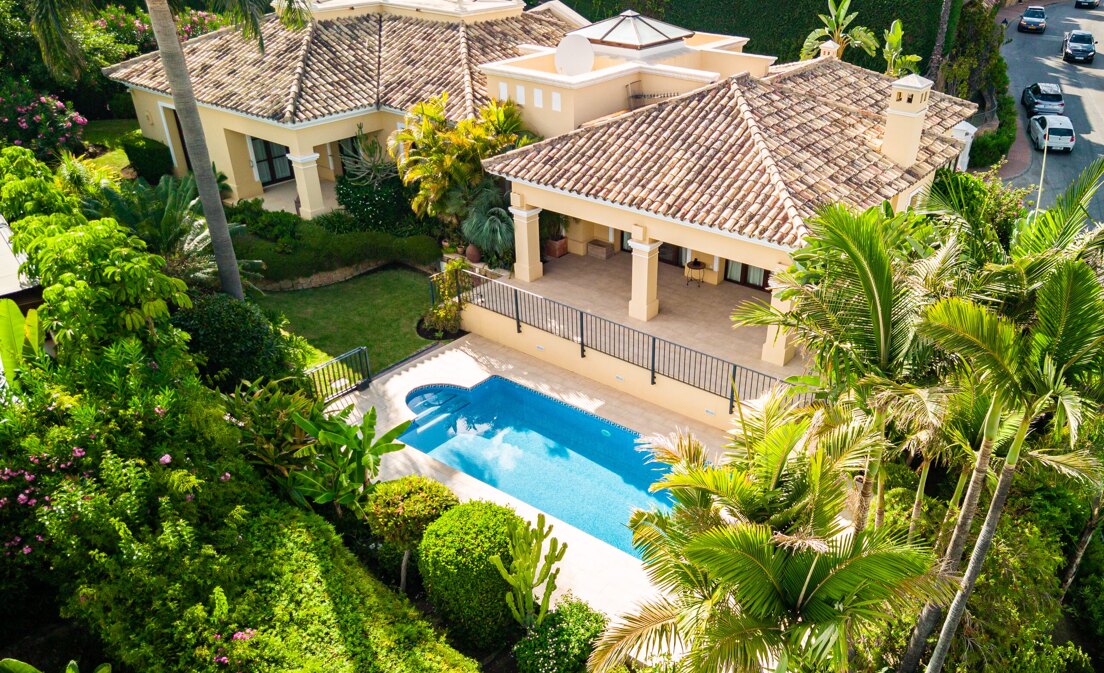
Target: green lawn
x,y
378,310
107,132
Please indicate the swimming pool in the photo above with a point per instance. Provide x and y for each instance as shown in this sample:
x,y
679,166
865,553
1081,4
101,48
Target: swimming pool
x,y
562,460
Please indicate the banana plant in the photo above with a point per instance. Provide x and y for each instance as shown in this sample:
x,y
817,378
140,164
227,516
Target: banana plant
x,y
15,666
346,460
19,336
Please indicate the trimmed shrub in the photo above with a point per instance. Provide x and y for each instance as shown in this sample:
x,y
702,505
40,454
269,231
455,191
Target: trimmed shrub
x,y
989,148
318,250
381,207
562,643
149,158
276,225
236,341
121,106
337,222
460,580
422,250
246,211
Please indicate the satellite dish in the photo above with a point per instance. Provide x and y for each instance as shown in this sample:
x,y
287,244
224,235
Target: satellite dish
x,y
574,55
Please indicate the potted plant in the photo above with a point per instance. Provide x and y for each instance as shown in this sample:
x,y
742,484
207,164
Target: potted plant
x,y
472,253
552,231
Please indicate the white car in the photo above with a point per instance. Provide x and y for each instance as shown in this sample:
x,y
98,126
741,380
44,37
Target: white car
x,y
1053,131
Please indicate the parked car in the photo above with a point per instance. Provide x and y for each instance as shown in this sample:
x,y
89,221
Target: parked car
x,y
1088,4
1078,45
1053,131
1043,98
1033,20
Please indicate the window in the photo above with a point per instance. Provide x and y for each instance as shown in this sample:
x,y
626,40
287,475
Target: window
x,y
745,274
503,91
519,95
555,101
538,98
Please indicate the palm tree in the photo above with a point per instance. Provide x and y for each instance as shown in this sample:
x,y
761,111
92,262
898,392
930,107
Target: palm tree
x,y
1034,370
1005,256
50,23
837,27
755,563
857,293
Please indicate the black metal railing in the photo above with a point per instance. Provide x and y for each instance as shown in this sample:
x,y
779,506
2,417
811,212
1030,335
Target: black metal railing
x,y
343,374
591,332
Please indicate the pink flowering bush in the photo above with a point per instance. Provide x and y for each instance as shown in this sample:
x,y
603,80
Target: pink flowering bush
x,y
37,121
134,28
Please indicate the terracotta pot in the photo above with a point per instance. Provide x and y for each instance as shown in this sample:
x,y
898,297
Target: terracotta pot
x,y
472,253
555,248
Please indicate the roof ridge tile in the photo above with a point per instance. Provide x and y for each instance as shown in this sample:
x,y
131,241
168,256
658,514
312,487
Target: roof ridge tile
x,y
774,174
465,57
297,80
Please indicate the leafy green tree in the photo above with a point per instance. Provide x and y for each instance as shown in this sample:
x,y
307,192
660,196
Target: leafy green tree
x,y
98,281
754,562
837,27
51,24
399,511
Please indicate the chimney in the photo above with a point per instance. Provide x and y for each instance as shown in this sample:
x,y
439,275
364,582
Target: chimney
x,y
905,115
830,49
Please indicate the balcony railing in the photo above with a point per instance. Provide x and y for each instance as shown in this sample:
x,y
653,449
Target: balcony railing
x,y
594,333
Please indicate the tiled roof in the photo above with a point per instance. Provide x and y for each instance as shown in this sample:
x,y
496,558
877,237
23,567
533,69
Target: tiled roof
x,y
863,89
754,157
348,63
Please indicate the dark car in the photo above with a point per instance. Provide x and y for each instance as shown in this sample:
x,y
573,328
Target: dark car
x,y
1033,20
1079,45
1043,98
1090,4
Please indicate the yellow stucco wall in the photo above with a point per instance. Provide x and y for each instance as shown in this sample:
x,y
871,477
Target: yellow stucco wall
x,y
701,241
687,400
228,134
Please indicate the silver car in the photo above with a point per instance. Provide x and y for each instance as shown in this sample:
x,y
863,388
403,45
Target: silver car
x,y
1043,98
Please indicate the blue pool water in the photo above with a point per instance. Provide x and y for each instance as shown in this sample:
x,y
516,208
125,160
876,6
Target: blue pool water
x,y
560,459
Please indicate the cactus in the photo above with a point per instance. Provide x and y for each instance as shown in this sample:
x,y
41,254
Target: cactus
x,y
528,571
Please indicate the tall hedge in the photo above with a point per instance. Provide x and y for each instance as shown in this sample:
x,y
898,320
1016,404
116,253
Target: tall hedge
x,y
779,28
149,158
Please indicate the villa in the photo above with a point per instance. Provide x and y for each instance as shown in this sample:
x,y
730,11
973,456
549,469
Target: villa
x,y
685,170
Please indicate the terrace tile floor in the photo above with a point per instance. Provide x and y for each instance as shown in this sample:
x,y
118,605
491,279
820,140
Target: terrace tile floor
x,y
282,196
607,578
697,317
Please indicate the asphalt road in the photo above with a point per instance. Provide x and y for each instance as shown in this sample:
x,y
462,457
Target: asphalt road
x,y
1035,58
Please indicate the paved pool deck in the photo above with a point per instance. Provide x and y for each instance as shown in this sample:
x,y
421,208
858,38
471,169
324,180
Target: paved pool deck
x,y
604,576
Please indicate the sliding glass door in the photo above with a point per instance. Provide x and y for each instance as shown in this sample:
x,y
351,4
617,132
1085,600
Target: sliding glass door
x,y
271,162
745,274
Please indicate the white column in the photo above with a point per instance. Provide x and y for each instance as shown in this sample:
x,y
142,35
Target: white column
x,y
644,304
309,184
527,264
779,348
964,132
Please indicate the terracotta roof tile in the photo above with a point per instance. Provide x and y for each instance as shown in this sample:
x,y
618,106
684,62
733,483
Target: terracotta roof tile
x,y
349,63
747,156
